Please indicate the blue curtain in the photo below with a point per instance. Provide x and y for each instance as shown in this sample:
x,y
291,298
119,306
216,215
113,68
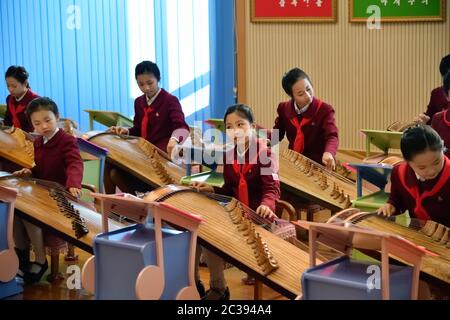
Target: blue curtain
x,y
75,52
78,53
173,19
223,62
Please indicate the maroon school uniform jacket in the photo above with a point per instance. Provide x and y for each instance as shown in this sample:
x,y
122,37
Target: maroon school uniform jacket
x,y
19,107
166,117
436,204
320,134
441,123
58,160
263,189
438,102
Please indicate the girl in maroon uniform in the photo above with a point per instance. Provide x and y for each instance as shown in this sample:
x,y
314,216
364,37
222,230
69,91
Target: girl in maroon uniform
x,y
421,185
438,100
441,120
158,118
20,95
307,121
58,159
250,174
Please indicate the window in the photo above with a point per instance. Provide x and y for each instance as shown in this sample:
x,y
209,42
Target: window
x,y
188,56
141,38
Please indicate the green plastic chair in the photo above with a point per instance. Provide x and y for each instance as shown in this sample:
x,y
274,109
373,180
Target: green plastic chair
x,y
376,174
94,158
108,119
384,140
219,125
212,178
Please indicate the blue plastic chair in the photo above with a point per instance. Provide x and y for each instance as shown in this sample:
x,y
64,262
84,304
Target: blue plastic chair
x,y
9,263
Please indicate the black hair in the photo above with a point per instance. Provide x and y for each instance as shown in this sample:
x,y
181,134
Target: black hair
x,y
291,77
444,66
243,110
446,84
42,103
19,73
147,67
418,139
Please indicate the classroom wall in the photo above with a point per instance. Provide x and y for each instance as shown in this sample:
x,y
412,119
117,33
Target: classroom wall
x,y
371,77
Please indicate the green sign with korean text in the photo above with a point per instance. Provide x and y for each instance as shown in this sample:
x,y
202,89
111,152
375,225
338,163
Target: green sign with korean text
x,y
397,10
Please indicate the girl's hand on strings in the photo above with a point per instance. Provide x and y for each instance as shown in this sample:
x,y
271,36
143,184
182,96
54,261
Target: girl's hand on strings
x,y
387,210
75,192
328,161
202,187
265,212
118,130
25,173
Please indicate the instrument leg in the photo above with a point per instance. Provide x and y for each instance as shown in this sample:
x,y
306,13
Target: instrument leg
x,y
258,290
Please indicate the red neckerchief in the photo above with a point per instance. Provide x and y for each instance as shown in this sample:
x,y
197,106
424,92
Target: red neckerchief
x,y
241,170
419,210
144,124
299,143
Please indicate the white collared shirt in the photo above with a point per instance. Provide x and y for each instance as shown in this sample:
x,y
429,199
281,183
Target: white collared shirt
x,y
302,110
152,99
149,102
21,97
241,154
53,134
419,178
